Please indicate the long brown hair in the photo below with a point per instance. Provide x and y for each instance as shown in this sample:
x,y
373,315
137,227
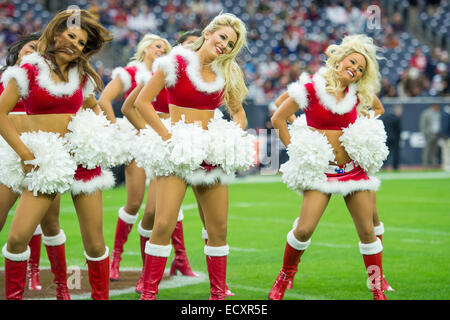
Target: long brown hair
x,y
98,36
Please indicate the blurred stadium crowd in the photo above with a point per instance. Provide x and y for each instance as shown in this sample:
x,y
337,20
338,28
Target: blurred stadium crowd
x,y
285,37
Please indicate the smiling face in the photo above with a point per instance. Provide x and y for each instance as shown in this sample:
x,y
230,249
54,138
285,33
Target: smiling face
x,y
70,44
221,41
351,68
28,48
157,49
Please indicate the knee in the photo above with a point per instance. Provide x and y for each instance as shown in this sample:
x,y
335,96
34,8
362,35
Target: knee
x,y
303,233
17,243
217,233
95,250
50,228
132,207
367,235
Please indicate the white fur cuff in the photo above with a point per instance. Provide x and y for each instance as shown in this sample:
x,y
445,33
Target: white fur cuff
x,y
180,215
38,230
144,232
54,241
16,256
157,250
101,258
204,234
217,251
379,230
104,181
124,77
294,243
169,66
371,248
126,217
297,91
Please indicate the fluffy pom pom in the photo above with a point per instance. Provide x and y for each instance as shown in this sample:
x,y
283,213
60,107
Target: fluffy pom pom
x,y
56,167
365,142
125,137
11,173
230,147
188,146
152,154
92,140
309,155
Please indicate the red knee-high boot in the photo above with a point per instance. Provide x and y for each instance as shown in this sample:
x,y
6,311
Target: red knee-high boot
x,y
124,225
33,263
98,271
292,253
144,236
372,255
379,231
216,261
180,261
15,273
155,263
56,252
228,292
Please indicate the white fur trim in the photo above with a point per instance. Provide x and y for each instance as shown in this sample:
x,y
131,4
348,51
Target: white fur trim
x,y
295,223
88,88
38,230
16,256
203,177
180,215
144,232
101,258
124,77
126,217
298,92
168,64
204,234
54,241
45,80
193,71
21,77
328,100
143,75
157,250
104,181
345,188
217,251
379,230
370,248
296,244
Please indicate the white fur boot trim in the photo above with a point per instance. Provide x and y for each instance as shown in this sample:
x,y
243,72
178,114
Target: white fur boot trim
x,y
144,232
38,230
126,217
217,251
16,256
371,248
294,243
379,230
204,234
157,250
103,257
180,215
54,241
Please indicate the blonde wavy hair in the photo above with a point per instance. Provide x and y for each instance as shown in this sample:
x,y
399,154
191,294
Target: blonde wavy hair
x,y
235,88
142,46
369,83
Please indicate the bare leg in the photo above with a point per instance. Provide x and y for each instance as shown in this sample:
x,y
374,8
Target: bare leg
x,y
150,207
135,185
360,206
376,218
7,200
50,222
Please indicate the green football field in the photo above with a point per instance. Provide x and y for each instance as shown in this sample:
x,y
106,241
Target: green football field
x,y
414,206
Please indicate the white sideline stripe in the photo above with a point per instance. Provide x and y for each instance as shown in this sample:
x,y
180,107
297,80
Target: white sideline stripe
x,y
244,249
333,245
173,282
266,291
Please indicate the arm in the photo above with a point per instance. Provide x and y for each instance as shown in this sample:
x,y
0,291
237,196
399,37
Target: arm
x,y
280,100
377,106
145,108
129,109
111,91
8,99
286,110
237,113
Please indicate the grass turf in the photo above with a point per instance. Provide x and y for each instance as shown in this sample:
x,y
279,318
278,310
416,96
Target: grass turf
x,y
415,212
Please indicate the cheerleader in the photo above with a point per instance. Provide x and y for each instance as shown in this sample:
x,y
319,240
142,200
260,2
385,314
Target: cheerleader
x,y
54,83
334,152
192,149
125,80
378,225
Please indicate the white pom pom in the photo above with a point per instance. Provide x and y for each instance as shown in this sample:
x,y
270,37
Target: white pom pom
x,y
56,167
365,142
230,147
309,156
92,140
11,173
125,137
